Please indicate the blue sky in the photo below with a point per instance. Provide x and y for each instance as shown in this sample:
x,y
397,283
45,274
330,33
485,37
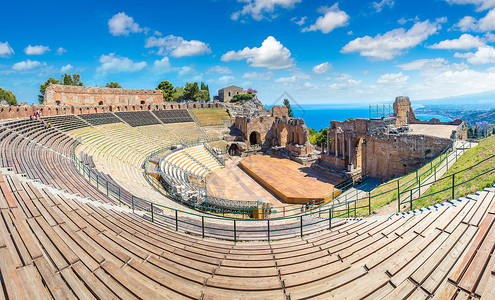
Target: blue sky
x,y
317,51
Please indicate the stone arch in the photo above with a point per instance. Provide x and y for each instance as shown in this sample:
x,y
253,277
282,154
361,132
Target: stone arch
x,y
255,138
234,150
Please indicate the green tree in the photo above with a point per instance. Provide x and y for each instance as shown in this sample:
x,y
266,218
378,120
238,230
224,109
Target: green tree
x,y
41,96
321,138
191,91
203,96
8,96
493,131
67,80
287,104
76,80
167,90
113,85
204,87
242,97
179,94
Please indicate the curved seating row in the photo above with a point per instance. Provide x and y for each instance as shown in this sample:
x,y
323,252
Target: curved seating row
x,y
65,248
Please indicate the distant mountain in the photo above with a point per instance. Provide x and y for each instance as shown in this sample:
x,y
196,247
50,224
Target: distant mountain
x,y
486,99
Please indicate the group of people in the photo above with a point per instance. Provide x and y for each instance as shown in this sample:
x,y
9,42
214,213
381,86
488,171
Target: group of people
x,y
37,116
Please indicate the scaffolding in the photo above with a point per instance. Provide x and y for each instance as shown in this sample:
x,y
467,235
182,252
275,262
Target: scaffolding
x,y
381,111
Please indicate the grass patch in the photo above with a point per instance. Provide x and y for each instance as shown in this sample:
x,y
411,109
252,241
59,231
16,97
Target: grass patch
x,y
470,158
211,117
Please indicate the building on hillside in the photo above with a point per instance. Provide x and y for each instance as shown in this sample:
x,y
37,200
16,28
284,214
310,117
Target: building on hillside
x,y
57,94
226,94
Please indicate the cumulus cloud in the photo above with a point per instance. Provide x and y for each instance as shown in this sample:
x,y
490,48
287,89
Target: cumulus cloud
x,y
27,65
484,55
122,24
272,55
480,4
293,79
258,75
61,51
176,46
467,23
422,63
218,70
36,50
393,78
300,22
332,18
390,44
66,68
322,68
163,66
6,50
378,6
112,63
464,42
260,9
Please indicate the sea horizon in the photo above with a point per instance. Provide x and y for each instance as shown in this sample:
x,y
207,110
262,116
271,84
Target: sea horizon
x,y
318,116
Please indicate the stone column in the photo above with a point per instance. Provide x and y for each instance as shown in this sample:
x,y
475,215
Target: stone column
x,y
343,145
350,148
328,142
335,144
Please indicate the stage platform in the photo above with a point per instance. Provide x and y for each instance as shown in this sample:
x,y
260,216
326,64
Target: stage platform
x,y
289,180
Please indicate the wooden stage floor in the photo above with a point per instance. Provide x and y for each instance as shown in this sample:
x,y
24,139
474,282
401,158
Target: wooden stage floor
x,y
289,180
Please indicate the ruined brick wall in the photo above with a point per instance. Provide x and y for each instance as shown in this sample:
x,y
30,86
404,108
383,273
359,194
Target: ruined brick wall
x,y
280,111
388,156
14,112
403,111
56,94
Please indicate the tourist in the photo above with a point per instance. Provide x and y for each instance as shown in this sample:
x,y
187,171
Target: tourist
x,y
49,125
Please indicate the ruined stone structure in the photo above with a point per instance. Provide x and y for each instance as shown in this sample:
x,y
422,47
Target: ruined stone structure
x,y
226,94
276,129
57,94
13,112
383,147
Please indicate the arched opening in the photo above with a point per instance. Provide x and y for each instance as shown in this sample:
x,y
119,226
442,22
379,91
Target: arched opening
x,y
143,102
254,138
100,103
234,150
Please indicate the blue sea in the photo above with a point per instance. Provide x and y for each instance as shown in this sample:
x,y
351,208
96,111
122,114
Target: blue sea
x,y
318,116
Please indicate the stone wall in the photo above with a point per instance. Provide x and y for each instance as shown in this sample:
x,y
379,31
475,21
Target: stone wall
x,y
56,94
13,112
388,156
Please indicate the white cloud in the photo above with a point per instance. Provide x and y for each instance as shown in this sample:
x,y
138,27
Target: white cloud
x,y
36,50
163,66
226,79
422,63
122,24
390,44
27,65
464,42
480,4
6,50
484,55
393,78
260,9
490,37
189,73
112,63
272,55
467,23
300,22
294,78
219,70
61,51
322,68
487,23
378,6
258,75
176,46
332,18
66,68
